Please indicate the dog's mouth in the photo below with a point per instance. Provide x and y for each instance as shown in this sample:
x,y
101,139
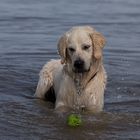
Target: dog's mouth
x,y
79,66
80,70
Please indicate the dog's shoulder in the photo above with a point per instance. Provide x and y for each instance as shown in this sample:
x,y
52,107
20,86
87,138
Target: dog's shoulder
x,y
51,65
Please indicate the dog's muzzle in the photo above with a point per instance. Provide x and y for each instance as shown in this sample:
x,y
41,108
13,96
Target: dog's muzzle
x,y
79,66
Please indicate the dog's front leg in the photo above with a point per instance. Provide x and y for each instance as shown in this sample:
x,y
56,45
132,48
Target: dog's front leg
x,y
61,105
44,84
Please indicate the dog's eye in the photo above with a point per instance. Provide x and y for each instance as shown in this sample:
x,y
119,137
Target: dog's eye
x,y
71,49
86,47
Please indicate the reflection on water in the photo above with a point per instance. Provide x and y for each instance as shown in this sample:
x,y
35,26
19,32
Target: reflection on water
x,y
29,31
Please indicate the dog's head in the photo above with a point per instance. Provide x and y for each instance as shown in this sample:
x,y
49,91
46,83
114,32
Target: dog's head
x,y
80,46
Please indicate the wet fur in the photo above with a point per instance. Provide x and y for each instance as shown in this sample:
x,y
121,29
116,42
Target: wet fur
x,y
59,75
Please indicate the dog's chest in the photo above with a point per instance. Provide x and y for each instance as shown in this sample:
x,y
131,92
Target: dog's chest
x,y
75,95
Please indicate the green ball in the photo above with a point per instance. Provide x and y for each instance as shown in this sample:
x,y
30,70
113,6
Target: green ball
x,y
74,120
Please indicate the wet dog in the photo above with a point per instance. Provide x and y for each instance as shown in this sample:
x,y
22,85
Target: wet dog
x,y
79,77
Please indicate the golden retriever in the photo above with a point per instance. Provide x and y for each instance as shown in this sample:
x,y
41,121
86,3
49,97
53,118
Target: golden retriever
x,y
79,78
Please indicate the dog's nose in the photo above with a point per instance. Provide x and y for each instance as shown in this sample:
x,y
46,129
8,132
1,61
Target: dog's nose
x,y
79,64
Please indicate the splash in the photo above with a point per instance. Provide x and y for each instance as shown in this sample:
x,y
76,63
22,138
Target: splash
x,y
77,80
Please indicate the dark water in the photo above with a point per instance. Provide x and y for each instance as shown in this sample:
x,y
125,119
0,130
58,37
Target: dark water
x,y
29,31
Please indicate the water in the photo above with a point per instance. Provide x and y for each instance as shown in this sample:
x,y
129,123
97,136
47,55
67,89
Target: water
x,y
29,31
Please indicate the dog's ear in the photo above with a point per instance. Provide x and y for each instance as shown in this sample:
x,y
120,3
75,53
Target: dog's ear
x,y
98,41
62,45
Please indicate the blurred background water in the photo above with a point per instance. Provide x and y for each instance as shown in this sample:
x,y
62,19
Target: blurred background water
x,y
29,31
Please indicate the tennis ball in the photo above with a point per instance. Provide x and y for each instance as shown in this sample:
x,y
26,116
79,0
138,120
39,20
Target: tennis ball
x,y
74,120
